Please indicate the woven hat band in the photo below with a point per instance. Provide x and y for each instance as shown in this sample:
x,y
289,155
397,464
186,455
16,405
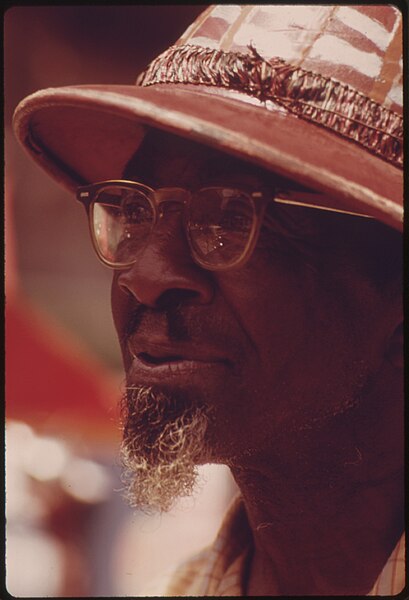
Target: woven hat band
x,y
309,95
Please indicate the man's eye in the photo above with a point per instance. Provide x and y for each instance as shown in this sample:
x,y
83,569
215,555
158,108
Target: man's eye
x,y
235,222
135,215
110,210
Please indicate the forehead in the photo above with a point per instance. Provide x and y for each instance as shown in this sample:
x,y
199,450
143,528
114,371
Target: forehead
x,y
166,159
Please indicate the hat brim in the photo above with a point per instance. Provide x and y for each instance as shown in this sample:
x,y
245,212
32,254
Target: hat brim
x,y
82,134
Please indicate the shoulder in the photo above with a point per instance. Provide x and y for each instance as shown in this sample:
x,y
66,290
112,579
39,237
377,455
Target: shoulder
x,y
186,580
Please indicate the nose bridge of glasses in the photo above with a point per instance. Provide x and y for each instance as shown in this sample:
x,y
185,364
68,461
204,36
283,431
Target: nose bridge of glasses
x,y
174,198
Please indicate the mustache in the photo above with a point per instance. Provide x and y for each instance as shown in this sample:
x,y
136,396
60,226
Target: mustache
x,y
184,324
175,317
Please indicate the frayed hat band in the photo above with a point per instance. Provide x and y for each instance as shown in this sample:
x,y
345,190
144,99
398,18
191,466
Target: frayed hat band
x,y
318,99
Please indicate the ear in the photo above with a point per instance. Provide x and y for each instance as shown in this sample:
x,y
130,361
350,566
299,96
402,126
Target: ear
x,y
394,350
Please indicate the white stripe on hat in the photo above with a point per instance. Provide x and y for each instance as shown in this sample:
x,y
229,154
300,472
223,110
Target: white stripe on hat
x,y
205,42
374,31
363,62
283,44
229,13
395,94
284,34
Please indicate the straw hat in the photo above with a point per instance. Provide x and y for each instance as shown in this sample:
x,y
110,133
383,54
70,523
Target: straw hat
x,y
311,92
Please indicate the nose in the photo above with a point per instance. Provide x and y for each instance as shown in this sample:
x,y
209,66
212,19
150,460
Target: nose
x,y
165,270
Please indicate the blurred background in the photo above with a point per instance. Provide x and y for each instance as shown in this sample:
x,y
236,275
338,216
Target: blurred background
x,y
68,531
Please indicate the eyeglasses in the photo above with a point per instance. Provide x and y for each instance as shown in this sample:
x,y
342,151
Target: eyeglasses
x,y
221,224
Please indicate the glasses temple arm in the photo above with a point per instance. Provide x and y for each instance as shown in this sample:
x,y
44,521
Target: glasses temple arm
x,y
311,200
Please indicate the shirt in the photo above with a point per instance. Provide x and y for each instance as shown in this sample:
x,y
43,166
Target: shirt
x,y
221,569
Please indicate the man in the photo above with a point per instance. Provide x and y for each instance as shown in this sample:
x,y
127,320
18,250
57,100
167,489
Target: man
x,y
248,195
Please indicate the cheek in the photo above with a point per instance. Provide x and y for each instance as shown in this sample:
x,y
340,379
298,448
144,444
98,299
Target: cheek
x,y
274,306
117,303
310,348
121,305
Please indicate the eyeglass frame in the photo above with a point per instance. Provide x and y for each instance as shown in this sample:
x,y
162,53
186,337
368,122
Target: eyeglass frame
x,y
86,196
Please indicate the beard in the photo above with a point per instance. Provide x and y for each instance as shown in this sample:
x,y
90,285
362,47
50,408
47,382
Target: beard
x,y
163,442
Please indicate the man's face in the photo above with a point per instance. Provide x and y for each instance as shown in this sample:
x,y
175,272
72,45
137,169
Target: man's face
x,y
275,347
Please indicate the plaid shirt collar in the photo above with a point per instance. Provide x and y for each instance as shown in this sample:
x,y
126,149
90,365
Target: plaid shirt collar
x,y
221,569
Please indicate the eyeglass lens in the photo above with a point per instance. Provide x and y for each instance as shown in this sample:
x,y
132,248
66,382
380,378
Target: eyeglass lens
x,y
122,219
219,222
220,225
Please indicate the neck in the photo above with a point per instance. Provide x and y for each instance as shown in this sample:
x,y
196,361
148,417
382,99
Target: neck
x,y
326,518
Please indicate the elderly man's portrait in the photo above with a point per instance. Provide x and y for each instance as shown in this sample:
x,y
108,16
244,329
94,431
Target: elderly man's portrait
x,y
204,300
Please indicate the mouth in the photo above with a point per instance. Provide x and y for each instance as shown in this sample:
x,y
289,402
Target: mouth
x,y
157,362
149,359
153,360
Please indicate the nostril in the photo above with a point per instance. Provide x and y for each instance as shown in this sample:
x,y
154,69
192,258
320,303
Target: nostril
x,y
174,303
177,297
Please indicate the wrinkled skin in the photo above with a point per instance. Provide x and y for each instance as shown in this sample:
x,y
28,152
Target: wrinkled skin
x,y
294,355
